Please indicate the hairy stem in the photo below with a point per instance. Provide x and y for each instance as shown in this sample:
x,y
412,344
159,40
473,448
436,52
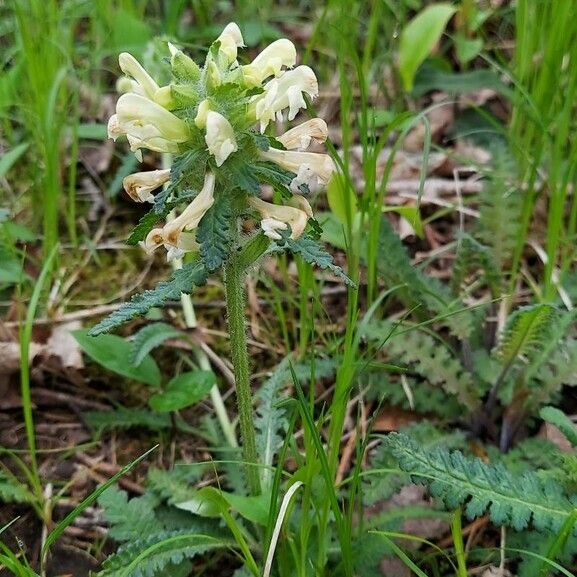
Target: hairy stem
x,y
234,286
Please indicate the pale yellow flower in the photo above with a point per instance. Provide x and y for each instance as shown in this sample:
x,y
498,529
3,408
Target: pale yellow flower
x,y
147,125
312,169
230,39
283,92
176,235
219,137
140,185
142,82
270,62
302,136
278,217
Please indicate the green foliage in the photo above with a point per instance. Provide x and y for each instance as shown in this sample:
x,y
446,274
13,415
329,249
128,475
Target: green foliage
x,y
183,391
181,281
145,225
473,257
215,233
149,337
518,501
381,484
417,290
561,421
428,357
558,369
500,208
270,420
176,485
124,418
112,352
276,176
419,37
311,252
130,519
527,330
149,556
12,491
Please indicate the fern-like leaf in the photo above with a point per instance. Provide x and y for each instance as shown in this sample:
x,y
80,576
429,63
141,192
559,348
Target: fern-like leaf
x,y
270,419
181,281
144,226
419,290
124,418
518,501
148,557
313,253
472,256
130,518
562,422
381,486
526,332
149,337
11,491
428,357
214,234
176,485
501,207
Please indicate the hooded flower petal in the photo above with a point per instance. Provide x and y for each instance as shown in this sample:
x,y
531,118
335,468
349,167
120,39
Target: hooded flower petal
x,y
285,92
300,137
173,235
312,169
147,124
144,84
270,226
270,62
140,185
273,214
230,39
219,137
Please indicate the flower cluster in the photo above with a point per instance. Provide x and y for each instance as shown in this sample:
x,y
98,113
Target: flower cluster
x,y
214,120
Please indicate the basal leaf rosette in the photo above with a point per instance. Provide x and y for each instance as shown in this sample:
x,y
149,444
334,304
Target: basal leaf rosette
x,y
215,121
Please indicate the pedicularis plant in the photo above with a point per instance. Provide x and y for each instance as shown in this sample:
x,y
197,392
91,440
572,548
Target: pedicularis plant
x,y
213,120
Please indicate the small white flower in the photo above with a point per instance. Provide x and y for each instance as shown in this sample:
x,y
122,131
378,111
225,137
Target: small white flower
x,y
230,39
300,137
312,169
219,137
140,185
175,235
143,83
286,91
270,62
275,216
147,124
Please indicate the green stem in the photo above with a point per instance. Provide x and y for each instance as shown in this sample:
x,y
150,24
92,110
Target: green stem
x,y
457,532
234,285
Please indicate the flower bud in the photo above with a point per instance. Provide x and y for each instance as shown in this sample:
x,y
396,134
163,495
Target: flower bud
x,y
203,110
219,137
270,62
184,68
140,185
145,85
